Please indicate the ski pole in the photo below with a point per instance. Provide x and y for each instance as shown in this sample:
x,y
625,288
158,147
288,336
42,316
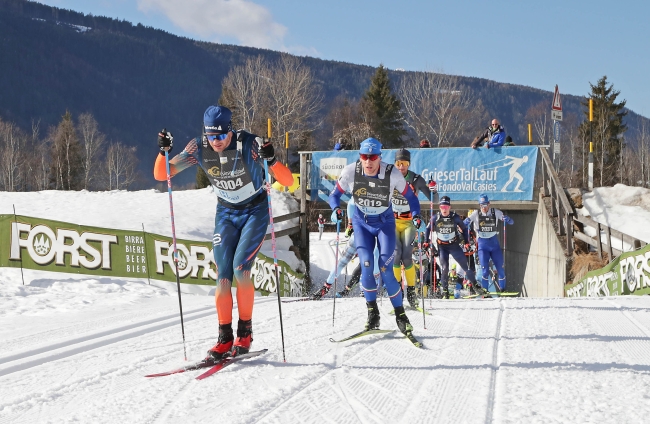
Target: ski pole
x,y
433,258
275,256
178,281
424,319
336,266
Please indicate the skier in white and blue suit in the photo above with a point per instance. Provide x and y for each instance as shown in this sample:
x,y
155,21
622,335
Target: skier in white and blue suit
x,y
485,224
371,183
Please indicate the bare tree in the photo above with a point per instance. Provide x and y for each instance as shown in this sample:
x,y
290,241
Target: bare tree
x,y
39,161
91,143
12,144
538,115
438,107
285,92
66,155
121,164
295,100
349,122
643,146
245,91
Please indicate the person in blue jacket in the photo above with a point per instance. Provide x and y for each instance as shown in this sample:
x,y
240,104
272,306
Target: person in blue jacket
x,y
371,182
446,225
485,221
493,136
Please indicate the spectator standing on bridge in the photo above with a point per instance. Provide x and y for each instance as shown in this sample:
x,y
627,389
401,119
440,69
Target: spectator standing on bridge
x,y
233,162
493,136
424,144
485,221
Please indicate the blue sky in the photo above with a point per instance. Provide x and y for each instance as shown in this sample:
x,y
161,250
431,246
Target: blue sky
x,y
538,44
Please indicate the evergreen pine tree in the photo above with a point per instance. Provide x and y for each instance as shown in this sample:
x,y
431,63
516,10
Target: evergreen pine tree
x,y
386,121
606,131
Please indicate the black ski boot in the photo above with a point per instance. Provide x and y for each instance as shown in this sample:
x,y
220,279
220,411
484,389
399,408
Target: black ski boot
x,y
244,338
403,322
373,316
321,292
445,293
412,297
344,292
480,291
224,343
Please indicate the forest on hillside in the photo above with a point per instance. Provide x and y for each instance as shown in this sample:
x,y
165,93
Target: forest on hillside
x,y
63,71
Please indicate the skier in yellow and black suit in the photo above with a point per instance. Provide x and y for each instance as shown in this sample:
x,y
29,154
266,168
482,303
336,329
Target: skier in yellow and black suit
x,y
404,229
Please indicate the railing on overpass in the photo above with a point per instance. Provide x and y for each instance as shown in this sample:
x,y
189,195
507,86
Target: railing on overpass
x,y
560,206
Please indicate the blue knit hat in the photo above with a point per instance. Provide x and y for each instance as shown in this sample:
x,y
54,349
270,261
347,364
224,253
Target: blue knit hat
x,y
370,146
483,199
216,120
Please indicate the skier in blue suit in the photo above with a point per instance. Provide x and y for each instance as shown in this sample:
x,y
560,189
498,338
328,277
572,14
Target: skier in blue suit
x,y
371,183
485,223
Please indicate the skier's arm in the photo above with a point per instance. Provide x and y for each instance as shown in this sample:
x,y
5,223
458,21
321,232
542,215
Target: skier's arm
x,y
178,163
405,190
463,229
422,186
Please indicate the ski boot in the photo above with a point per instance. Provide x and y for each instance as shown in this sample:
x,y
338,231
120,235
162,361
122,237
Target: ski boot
x,y
412,297
445,293
244,338
343,293
321,292
224,343
403,322
373,316
480,291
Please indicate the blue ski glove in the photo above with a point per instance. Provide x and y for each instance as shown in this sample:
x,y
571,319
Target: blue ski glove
x,y
337,215
508,220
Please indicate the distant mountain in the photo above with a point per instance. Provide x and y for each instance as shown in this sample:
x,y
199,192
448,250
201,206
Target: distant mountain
x,y
136,80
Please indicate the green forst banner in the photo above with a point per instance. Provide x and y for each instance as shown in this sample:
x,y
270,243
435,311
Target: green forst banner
x,y
55,246
627,274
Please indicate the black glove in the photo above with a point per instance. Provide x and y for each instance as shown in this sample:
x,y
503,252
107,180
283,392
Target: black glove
x,y
417,221
165,139
266,150
425,245
337,215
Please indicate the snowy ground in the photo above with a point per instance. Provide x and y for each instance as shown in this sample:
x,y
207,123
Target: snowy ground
x,y
76,349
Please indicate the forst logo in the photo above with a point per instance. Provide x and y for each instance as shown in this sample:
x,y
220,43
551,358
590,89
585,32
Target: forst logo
x,y
193,261
44,245
361,192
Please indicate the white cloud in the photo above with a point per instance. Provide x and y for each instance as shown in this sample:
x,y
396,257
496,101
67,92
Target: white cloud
x,y
215,20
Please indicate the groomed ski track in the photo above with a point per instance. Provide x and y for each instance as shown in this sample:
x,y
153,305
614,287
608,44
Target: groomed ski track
x,y
506,360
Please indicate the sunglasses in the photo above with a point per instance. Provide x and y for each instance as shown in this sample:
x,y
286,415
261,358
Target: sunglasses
x,y
445,206
363,156
216,137
402,163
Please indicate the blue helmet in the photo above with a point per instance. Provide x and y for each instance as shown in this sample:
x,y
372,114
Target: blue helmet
x,y
483,199
370,146
216,120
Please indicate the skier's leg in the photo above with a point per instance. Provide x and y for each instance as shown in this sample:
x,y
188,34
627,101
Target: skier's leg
x,y
365,241
484,259
386,244
253,230
225,239
497,259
